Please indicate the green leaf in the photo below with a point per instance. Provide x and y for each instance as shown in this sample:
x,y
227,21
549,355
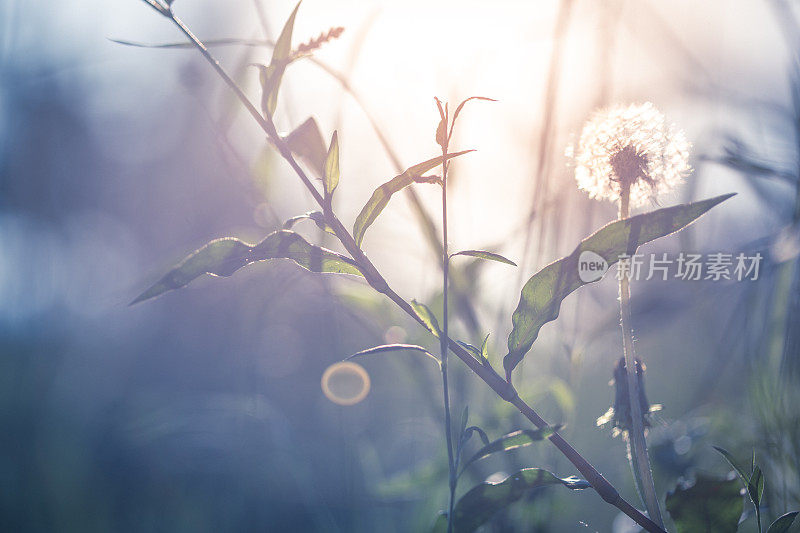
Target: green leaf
x,y
427,317
471,349
475,429
709,505
380,198
728,457
223,257
481,502
462,429
331,177
316,216
782,524
394,348
272,75
306,143
482,254
754,483
755,487
485,349
512,441
482,353
542,295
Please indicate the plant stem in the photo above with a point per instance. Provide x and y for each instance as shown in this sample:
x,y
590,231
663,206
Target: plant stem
x,y
494,380
640,462
445,337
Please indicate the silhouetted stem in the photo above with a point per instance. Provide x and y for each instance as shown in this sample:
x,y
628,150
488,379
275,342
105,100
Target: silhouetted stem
x,y
495,381
640,462
445,337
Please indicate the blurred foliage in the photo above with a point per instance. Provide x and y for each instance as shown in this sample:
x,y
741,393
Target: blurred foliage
x,y
203,412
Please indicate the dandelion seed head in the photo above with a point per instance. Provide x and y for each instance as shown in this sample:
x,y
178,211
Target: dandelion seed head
x,y
634,145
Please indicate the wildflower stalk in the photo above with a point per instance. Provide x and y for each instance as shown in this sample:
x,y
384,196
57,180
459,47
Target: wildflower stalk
x,y
640,462
451,464
495,381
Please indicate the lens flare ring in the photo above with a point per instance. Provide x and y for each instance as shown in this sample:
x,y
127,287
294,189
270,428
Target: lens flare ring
x,y
345,383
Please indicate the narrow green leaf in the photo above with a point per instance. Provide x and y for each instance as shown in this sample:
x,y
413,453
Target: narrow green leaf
x,y
316,216
512,441
272,75
755,487
728,457
331,178
394,348
709,505
223,257
464,420
485,348
427,317
306,142
754,483
542,295
380,198
482,254
782,524
471,349
481,502
481,433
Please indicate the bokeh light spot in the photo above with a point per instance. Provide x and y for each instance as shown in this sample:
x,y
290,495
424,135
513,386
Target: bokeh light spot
x,y
345,383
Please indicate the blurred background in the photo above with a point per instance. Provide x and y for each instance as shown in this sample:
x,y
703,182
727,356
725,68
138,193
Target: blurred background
x,y
202,410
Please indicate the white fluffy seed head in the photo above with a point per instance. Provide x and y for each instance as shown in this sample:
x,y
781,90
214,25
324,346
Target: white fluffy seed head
x,y
636,141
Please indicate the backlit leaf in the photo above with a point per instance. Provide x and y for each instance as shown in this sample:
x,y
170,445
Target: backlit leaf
x,y
482,254
272,75
306,142
331,176
512,441
729,457
755,487
316,216
542,295
223,257
384,348
782,524
380,198
481,502
471,349
427,317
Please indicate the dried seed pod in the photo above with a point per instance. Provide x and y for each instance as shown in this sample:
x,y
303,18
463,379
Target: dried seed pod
x,y
317,42
619,415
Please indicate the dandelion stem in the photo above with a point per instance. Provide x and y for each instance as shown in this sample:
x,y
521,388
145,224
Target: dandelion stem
x,y
640,462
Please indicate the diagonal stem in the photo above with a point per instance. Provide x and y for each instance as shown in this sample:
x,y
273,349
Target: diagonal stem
x,y
494,380
640,462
